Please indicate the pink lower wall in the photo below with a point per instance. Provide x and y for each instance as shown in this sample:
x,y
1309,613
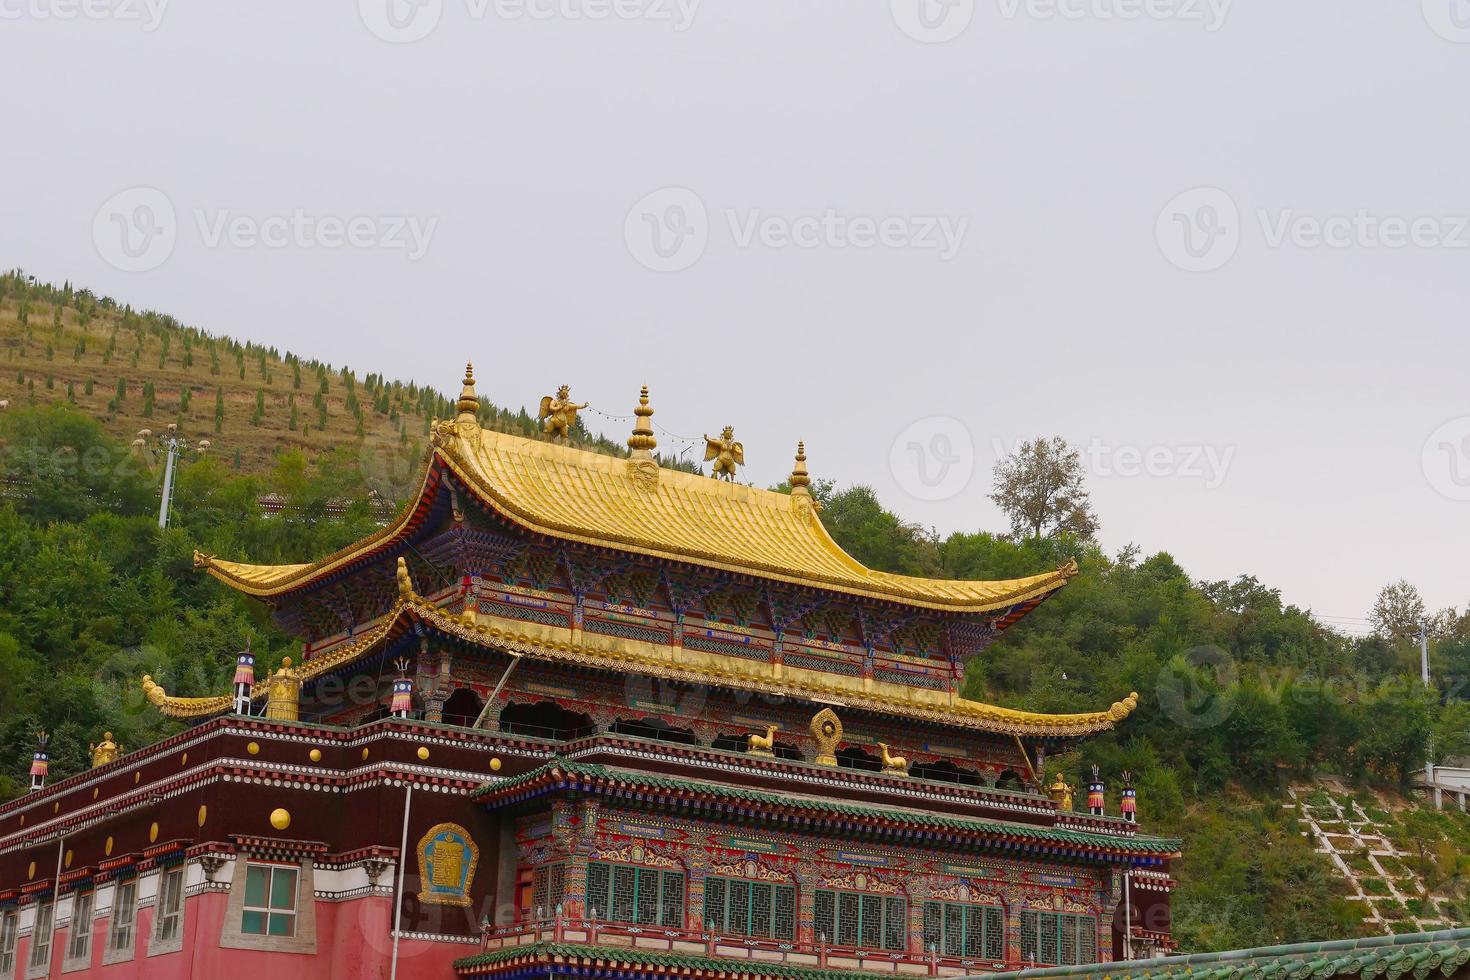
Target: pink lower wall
x,y
353,940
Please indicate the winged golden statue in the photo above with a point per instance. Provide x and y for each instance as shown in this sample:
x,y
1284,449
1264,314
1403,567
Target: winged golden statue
x,y
558,415
726,452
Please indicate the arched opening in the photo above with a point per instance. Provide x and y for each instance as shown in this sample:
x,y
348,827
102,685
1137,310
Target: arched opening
x,y
853,757
463,708
654,728
740,742
1010,779
545,719
948,772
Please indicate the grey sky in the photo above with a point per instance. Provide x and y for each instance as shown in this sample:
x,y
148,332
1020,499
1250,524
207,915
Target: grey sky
x,y
1050,147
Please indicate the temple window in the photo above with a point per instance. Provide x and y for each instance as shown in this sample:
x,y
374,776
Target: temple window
x,y
1058,940
861,920
646,896
41,938
653,728
170,906
9,936
270,900
750,908
79,941
957,929
548,883
853,757
463,708
545,719
948,772
124,913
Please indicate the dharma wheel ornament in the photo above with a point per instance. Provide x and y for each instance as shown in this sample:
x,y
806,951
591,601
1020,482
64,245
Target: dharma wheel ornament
x,y
827,730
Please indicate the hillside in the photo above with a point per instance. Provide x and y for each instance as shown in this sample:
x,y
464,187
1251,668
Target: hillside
x,y
136,370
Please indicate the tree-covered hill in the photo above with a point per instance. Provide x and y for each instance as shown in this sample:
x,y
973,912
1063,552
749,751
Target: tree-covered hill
x,y
1241,691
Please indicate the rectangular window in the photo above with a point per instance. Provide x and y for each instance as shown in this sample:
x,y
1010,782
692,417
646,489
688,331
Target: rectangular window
x,y
79,943
9,936
124,913
41,938
971,931
750,908
861,920
646,896
1058,940
548,884
270,900
170,905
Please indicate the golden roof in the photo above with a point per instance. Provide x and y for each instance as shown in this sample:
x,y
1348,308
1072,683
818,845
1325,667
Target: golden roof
x,y
577,495
559,644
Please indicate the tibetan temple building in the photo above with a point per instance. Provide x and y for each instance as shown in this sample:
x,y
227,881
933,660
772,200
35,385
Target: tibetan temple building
x,y
577,715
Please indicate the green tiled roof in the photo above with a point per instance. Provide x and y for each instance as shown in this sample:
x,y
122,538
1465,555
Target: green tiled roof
x,y
653,961
1389,957
584,776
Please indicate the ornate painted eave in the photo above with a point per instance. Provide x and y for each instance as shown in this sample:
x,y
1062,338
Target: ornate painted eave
x,y
793,811
598,500
561,645
1390,957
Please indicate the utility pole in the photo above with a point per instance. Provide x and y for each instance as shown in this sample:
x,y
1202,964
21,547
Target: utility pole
x,y
1424,673
171,444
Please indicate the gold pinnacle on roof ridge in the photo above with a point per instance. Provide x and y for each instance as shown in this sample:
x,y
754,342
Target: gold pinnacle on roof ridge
x,y
800,479
642,441
468,405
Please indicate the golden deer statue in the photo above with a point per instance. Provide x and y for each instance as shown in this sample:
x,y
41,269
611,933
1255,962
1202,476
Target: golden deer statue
x,y
763,744
893,763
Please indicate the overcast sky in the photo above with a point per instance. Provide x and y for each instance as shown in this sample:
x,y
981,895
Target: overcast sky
x,y
1220,245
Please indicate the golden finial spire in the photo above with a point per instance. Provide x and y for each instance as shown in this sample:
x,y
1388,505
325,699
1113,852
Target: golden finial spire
x,y
469,403
642,441
800,480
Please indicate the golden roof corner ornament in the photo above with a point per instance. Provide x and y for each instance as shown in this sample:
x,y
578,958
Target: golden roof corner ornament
x,y
1122,709
558,415
104,752
405,582
726,453
642,467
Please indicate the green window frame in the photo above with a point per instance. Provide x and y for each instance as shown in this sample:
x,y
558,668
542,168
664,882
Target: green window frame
x,y
269,908
628,893
759,909
1052,939
964,929
861,920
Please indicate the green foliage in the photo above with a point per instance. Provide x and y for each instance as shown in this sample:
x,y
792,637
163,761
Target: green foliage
x,y
93,595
